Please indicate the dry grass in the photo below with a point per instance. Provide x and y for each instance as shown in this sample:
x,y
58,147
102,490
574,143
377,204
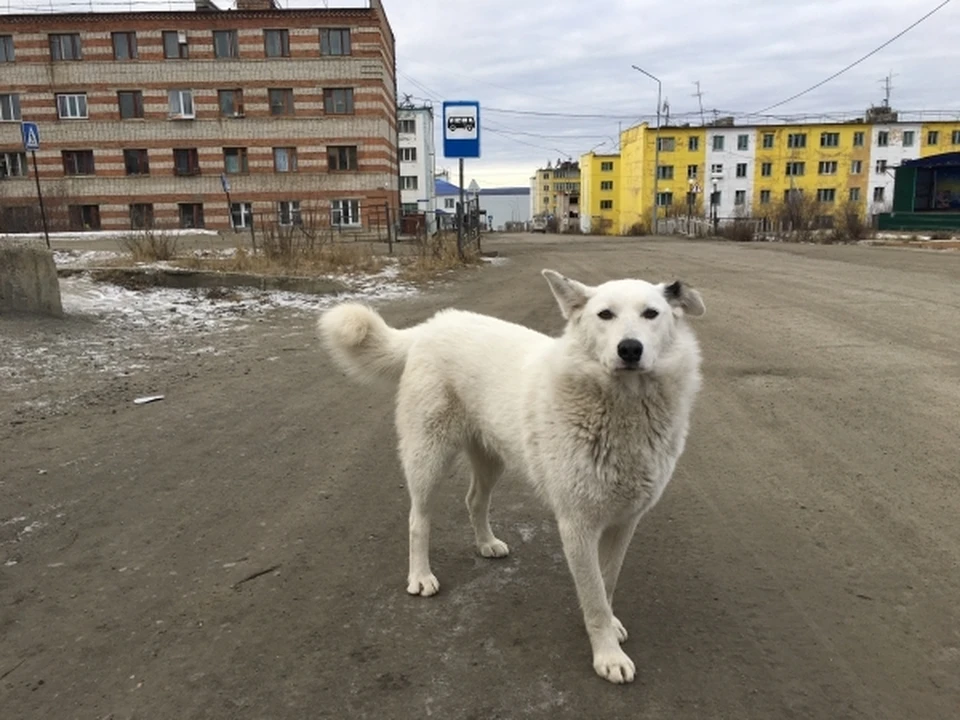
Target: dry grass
x,y
437,255
149,245
323,260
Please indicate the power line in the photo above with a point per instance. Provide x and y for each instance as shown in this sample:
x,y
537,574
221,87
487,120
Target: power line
x,y
856,62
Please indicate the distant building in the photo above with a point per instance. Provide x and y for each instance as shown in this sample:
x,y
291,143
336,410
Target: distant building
x,y
599,193
149,118
418,158
498,206
555,192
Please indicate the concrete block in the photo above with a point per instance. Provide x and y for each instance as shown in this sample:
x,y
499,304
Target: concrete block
x,y
28,278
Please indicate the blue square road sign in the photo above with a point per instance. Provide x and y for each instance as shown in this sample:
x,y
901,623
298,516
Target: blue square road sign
x,y
31,135
461,129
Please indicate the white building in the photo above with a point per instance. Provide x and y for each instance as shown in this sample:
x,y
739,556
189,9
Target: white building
x,y
418,161
890,145
730,159
505,205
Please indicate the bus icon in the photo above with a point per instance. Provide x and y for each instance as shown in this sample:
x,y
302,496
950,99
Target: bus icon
x,y
461,122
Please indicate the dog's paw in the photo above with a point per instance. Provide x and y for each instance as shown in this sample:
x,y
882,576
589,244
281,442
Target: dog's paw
x,y
620,630
423,585
615,666
494,549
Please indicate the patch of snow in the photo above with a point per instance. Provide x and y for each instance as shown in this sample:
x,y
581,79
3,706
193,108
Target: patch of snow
x,y
102,235
498,260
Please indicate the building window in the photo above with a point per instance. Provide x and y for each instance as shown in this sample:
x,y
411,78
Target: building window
x,y
766,169
908,138
797,140
693,144
741,170
715,197
718,143
407,127
606,185
141,216
692,172
408,154
881,167
664,199
175,45
955,137
933,137
225,44
883,138
335,41
829,139
78,162
186,161
284,159
241,215
878,194
235,161
13,164
136,162
764,197
856,167
795,168
288,212
827,167
345,212
826,195
665,172
72,107
130,103
231,102
546,188
338,101
546,201
65,47
855,194
449,203
606,166
281,101
793,195
409,182
606,204
858,139
666,144
181,103
768,140
409,209
740,197
342,157
743,142
191,215
716,169
124,45
6,48
84,217
276,43
10,107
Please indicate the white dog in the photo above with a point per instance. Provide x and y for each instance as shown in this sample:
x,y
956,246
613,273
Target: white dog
x,y
595,419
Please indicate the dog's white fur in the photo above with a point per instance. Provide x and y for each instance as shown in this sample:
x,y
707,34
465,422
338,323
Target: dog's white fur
x,y
598,438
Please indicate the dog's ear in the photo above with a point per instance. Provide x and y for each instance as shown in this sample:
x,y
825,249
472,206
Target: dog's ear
x,y
683,296
570,294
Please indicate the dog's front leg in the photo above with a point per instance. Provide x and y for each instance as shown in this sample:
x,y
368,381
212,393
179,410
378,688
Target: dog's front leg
x,y
613,548
582,545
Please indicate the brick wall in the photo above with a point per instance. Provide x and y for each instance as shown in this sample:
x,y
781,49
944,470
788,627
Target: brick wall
x,y
370,125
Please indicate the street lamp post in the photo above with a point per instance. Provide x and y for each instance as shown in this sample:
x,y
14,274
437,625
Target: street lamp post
x,y
656,153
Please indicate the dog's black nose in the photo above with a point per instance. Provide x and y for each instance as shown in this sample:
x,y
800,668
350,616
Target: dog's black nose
x,y
630,351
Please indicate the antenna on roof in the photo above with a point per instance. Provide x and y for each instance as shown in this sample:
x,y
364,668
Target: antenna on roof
x,y
699,96
887,87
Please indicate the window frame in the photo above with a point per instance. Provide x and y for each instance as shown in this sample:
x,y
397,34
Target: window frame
x,y
130,38
325,44
232,47
75,44
291,155
196,210
293,215
236,100
287,105
351,154
8,49
137,99
241,157
284,37
180,94
63,101
12,106
192,165
75,156
183,44
148,215
330,102
142,162
336,208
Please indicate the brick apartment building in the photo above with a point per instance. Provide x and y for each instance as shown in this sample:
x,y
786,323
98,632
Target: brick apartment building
x,y
143,115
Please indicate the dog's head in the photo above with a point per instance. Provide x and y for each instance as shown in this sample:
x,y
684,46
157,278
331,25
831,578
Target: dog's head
x,y
624,325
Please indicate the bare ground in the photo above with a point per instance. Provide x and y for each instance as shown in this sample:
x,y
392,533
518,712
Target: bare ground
x,y
238,550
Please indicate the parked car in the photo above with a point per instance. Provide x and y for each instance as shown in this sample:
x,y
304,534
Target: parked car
x,y
539,225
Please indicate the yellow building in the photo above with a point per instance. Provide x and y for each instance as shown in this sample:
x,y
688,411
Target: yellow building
x,y
680,172
556,192
939,137
599,194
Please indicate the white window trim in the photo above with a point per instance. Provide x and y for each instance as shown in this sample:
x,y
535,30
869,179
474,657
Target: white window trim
x,y
65,100
12,104
180,94
244,216
336,205
294,215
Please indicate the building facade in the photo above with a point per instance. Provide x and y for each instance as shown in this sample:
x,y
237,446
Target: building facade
x,y
600,180
201,119
555,192
732,171
418,162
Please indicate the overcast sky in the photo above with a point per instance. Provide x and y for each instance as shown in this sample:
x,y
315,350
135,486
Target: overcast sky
x,y
573,57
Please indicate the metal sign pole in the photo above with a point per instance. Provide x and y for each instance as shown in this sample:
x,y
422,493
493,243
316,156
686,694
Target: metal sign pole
x,y
461,213
43,212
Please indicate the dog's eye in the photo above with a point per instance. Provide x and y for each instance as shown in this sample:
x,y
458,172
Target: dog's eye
x,y
650,313
605,315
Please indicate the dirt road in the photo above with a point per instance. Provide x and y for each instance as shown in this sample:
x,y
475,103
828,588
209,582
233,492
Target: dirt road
x,y
238,550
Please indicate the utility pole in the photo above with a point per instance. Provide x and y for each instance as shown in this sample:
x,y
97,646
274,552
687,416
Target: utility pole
x,y
887,87
699,96
656,152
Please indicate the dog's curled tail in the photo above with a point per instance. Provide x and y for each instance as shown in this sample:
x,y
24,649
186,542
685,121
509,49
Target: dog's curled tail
x,y
362,344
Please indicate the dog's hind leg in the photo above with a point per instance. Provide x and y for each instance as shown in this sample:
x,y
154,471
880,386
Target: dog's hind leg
x,y
581,545
487,469
614,542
